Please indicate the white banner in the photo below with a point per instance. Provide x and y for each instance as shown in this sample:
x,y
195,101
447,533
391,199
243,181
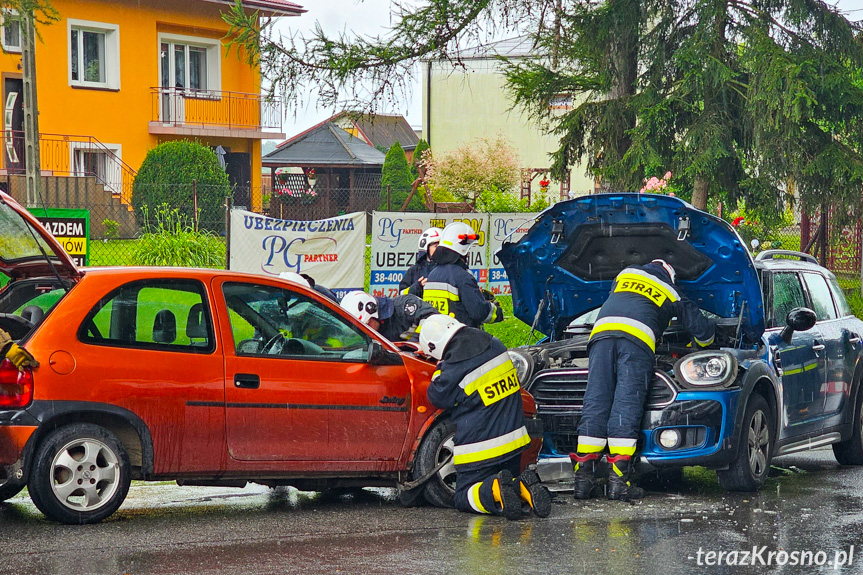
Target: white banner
x,y
504,228
395,236
331,251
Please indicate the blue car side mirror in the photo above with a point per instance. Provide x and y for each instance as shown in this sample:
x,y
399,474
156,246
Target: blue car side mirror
x,y
798,319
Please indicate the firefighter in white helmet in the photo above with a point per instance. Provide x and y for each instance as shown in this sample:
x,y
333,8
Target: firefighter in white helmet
x,y
415,278
477,382
451,288
397,319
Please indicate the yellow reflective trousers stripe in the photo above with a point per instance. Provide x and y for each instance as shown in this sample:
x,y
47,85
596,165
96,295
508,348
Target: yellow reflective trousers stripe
x,y
491,448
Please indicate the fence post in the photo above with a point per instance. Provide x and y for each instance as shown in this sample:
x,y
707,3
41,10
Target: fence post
x,y
824,238
389,198
228,232
195,203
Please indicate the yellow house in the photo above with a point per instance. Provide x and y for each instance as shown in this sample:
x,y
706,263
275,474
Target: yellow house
x,y
116,78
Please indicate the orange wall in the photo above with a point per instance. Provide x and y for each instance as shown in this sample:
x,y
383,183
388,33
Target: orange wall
x,y
122,116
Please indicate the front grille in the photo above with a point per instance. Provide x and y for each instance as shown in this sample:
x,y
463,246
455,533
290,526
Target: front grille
x,y
562,390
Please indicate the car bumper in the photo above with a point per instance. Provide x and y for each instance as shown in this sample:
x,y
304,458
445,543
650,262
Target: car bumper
x,y
704,420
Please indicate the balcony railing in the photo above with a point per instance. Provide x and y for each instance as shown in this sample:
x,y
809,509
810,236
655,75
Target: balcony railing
x,y
216,109
67,155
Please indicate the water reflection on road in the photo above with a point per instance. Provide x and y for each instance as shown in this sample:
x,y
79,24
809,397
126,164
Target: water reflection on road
x,y
815,506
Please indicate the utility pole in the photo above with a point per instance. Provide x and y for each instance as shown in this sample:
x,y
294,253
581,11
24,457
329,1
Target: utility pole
x,y
32,160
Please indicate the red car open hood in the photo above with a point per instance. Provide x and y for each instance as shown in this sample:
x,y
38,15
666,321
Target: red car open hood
x,y
26,248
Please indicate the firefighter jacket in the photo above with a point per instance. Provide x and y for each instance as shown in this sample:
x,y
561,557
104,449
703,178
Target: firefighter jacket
x,y
478,382
401,317
453,291
410,281
641,305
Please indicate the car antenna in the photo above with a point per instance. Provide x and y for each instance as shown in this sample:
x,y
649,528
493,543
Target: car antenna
x,y
542,303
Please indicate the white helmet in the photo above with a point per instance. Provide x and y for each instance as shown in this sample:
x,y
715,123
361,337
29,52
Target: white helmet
x,y
459,237
360,305
668,269
296,278
430,236
435,333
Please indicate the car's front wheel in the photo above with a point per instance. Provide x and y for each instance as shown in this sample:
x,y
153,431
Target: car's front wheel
x,y
850,451
436,449
81,474
750,468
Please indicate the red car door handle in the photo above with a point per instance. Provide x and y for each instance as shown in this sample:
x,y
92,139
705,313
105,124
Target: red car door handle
x,y
247,381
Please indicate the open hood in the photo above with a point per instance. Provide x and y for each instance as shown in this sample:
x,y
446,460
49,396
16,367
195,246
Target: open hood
x,y
576,248
26,246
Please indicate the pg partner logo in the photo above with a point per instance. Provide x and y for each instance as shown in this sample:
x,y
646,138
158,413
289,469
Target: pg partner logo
x,y
510,229
391,230
296,253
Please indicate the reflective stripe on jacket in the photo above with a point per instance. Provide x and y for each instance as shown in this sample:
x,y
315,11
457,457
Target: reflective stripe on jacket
x,y
484,395
642,304
453,291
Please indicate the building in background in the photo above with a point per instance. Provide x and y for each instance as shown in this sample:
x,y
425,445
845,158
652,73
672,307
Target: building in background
x,y
116,78
469,100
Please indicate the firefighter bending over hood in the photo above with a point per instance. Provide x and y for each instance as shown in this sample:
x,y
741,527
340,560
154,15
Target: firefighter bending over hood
x,y
451,288
477,381
621,352
19,356
396,319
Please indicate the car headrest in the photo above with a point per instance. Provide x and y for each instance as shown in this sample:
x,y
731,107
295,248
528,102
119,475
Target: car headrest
x,y
33,314
165,327
195,326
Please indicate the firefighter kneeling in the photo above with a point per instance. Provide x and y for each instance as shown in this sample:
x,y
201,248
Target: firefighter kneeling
x,y
477,381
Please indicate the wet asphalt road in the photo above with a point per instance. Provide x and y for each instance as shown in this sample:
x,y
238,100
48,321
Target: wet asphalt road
x,y
812,506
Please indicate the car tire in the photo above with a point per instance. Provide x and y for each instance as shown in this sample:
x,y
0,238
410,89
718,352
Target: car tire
x,y
9,490
750,468
81,474
436,446
850,451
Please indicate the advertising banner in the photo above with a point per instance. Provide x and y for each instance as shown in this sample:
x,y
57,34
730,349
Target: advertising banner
x,y
504,228
70,227
395,236
332,251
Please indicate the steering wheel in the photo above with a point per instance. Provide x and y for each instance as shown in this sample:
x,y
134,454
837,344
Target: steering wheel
x,y
270,348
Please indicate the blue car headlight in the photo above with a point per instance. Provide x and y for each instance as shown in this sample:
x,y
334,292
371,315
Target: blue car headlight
x,y
707,369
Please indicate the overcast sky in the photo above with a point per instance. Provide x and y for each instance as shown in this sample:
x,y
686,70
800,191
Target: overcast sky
x,y
373,17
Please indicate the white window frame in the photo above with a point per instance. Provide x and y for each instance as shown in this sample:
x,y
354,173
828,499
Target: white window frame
x,y
213,47
112,53
8,47
113,169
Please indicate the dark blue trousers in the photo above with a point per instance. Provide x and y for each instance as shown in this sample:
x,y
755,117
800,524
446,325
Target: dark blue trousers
x,y
465,480
619,376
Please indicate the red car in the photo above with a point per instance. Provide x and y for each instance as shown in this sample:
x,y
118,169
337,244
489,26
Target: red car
x,y
206,377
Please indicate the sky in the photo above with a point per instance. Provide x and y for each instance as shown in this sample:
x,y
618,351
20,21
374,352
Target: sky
x,y
373,17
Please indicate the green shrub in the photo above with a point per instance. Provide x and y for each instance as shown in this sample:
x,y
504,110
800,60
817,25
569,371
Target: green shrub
x,y
173,241
396,175
166,178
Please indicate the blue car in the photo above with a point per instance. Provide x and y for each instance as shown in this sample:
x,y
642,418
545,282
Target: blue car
x,y
783,375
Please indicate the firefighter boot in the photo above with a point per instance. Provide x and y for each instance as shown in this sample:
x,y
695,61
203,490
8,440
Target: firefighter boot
x,y
587,454
619,487
534,493
505,495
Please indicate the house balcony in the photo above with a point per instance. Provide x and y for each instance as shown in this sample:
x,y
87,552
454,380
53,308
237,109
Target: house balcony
x,y
215,113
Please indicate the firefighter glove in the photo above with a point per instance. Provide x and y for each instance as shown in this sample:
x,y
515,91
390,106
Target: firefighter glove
x,y
20,357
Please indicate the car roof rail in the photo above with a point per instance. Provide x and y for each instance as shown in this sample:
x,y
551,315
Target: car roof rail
x,y
782,254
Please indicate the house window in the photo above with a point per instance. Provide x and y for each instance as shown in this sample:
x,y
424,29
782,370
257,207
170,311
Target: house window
x,y
188,64
11,36
103,163
560,102
94,55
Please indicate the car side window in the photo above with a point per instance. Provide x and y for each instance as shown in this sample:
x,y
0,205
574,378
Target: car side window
x,y
787,295
819,292
154,314
268,320
842,306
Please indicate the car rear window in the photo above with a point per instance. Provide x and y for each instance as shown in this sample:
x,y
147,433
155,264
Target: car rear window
x,y
171,315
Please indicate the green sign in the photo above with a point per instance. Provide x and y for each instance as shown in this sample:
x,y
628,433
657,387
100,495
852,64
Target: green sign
x,y
70,227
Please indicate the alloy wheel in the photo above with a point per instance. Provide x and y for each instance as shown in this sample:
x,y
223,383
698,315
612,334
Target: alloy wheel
x,y
84,474
759,443
446,475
